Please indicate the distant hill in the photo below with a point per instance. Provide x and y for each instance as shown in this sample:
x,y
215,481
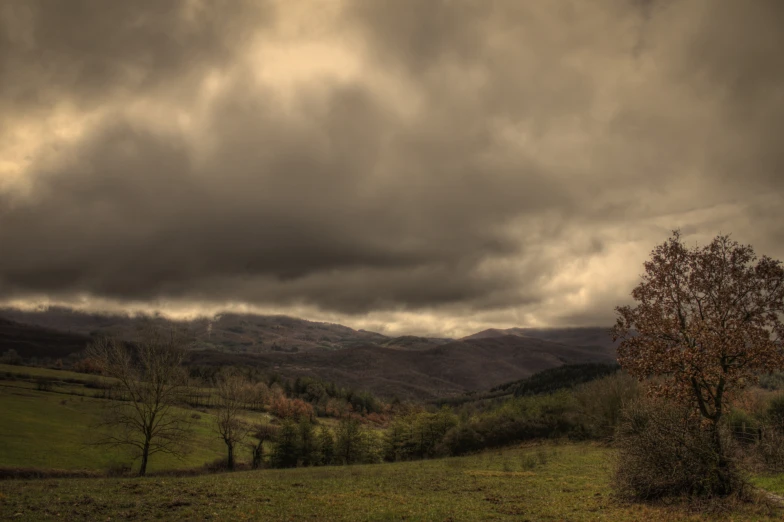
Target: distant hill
x,y
449,369
33,341
234,332
407,366
412,342
581,336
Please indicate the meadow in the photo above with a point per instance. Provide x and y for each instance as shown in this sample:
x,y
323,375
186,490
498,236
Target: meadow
x,y
554,480
535,482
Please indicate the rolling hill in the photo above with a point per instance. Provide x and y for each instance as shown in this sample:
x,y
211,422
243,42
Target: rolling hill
x,y
406,367
33,341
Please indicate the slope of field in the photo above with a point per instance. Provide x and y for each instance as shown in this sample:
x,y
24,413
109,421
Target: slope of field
x,y
548,482
50,430
444,370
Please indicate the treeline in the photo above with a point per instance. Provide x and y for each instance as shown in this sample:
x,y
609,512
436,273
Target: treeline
x,y
302,443
567,376
587,411
554,379
289,398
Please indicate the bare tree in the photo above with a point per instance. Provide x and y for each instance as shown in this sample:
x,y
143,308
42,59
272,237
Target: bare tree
x,y
233,394
148,380
262,433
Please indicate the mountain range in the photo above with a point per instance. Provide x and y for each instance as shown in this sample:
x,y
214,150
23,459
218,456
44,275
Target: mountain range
x,y
408,367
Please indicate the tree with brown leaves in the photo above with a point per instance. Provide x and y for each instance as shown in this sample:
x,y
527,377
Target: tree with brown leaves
x,y
708,321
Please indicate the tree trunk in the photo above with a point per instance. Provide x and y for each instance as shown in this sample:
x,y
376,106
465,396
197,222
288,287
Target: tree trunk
x,y
230,461
723,473
258,454
145,456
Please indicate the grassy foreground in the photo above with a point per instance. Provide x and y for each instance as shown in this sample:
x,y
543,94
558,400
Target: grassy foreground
x,y
550,482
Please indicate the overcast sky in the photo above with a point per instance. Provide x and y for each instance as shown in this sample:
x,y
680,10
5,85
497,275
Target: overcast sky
x,y
404,166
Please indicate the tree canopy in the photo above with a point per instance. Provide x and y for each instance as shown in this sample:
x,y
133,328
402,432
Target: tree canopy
x,y
707,319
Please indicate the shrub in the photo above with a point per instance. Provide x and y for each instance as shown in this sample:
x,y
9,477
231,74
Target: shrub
x,y
664,450
43,384
118,469
775,411
11,357
463,439
601,402
744,427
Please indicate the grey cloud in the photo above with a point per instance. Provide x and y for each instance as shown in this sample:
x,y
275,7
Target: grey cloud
x,y
540,124
279,212
89,51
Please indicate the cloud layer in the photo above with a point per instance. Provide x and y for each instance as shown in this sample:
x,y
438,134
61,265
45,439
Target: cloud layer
x,y
412,167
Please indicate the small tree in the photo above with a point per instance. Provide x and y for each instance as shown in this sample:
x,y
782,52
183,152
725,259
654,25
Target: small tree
x,y
308,443
262,433
708,321
326,446
287,451
149,380
233,394
348,441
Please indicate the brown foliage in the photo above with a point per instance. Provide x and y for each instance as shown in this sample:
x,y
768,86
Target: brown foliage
x,y
291,408
87,365
707,322
664,452
708,319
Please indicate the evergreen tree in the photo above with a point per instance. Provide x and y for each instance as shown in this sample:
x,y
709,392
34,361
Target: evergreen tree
x,y
308,451
326,446
287,450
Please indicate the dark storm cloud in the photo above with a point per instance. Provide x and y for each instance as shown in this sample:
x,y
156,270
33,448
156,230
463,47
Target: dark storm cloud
x,y
481,150
279,212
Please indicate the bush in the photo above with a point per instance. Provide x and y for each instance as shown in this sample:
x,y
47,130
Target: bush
x,y
767,454
601,402
118,469
11,357
744,427
218,465
463,439
775,411
664,450
43,384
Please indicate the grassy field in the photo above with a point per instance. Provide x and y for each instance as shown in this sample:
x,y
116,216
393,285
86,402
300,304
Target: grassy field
x,y
550,482
48,430
32,372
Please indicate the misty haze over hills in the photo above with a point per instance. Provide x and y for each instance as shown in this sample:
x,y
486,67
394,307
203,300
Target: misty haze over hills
x,y
407,366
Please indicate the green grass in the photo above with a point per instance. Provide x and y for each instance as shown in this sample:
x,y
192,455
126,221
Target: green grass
x,y
548,482
48,430
32,371
568,482
772,483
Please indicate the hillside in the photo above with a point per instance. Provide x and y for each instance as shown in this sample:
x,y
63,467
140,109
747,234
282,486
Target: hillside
x,y
406,367
234,332
449,369
579,336
34,341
